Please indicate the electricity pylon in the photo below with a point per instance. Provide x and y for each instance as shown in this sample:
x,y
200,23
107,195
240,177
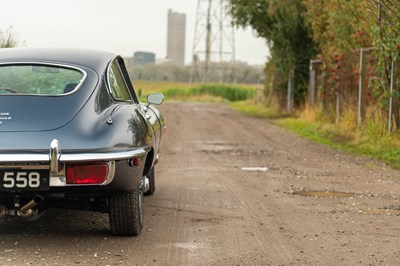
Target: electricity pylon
x,y
214,40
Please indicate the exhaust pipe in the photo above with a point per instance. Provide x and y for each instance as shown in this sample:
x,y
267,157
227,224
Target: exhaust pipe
x,y
27,211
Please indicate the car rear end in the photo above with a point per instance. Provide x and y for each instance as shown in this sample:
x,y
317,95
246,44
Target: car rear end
x,y
49,156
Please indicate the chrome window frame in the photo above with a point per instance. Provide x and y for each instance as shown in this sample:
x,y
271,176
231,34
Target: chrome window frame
x,y
82,71
115,59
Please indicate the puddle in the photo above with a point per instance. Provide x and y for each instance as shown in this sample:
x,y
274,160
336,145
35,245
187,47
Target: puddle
x,y
191,246
220,147
324,194
255,169
391,210
231,148
208,220
382,212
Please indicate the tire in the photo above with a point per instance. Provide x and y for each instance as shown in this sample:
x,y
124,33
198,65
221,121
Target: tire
x,y
152,182
126,213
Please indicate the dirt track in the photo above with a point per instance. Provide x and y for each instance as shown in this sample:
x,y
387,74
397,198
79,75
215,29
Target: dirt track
x,y
212,208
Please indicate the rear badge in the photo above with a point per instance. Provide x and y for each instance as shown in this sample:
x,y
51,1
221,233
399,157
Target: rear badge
x,y
4,116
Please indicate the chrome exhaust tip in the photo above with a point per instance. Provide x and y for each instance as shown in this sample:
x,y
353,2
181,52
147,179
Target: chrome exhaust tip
x,y
27,211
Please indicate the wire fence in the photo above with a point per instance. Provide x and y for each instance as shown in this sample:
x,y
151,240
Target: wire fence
x,y
349,83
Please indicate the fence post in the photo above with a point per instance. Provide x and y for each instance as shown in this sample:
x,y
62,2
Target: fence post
x,y
290,91
311,85
360,88
288,105
337,107
391,97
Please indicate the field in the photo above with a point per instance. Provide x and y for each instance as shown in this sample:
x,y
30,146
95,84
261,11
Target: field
x,y
182,91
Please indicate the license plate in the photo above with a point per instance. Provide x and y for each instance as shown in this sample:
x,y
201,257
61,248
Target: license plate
x,y
19,179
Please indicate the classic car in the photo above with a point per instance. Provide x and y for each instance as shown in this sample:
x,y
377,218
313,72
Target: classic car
x,y
73,135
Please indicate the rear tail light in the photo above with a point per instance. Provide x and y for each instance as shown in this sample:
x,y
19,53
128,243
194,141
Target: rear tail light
x,y
134,162
83,174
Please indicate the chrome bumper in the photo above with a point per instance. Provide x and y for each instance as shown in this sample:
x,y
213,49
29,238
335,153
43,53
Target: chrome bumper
x,y
55,161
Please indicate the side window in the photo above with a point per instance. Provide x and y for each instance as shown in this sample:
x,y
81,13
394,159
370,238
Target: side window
x,y
118,87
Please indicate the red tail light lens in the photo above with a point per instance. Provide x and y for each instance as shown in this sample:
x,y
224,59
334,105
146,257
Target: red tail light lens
x,y
86,173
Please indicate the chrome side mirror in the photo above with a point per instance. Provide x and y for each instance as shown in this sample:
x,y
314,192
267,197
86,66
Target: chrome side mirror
x,y
155,98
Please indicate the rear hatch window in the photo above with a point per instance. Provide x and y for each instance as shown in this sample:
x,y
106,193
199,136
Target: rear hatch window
x,y
32,95
36,79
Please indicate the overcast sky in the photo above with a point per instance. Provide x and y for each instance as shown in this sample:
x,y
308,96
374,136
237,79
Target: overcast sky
x,y
121,26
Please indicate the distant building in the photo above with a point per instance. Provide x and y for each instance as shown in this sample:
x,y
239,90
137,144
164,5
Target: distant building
x,y
176,37
143,58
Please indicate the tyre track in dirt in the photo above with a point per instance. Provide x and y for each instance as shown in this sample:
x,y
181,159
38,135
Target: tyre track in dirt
x,y
210,163
295,230
279,252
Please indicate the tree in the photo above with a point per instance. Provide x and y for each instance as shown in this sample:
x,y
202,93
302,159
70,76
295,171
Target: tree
x,y
384,18
237,72
338,25
288,34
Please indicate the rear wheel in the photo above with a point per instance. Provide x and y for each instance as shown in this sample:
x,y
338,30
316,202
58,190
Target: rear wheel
x,y
152,182
126,213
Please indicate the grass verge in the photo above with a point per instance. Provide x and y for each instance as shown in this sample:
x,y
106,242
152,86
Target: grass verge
x,y
384,148
371,140
250,108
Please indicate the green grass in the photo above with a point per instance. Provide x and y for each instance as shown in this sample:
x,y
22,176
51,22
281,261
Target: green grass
x,y
304,129
226,92
250,108
197,92
383,148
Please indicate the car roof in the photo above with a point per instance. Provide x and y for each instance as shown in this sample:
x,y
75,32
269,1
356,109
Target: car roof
x,y
96,60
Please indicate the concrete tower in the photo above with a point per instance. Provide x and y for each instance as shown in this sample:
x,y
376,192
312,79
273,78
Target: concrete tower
x,y
176,37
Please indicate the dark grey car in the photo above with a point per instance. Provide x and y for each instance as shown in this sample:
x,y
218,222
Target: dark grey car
x,y
74,135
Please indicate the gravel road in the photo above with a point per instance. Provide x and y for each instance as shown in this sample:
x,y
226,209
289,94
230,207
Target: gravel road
x,y
233,190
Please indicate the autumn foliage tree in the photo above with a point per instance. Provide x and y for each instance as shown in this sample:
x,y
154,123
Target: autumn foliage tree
x,y
385,27
288,34
299,30
384,18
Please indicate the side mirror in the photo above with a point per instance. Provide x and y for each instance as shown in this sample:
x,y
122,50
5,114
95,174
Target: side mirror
x,y
155,98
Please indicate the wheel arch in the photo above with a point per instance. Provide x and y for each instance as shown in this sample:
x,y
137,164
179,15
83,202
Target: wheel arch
x,y
149,162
